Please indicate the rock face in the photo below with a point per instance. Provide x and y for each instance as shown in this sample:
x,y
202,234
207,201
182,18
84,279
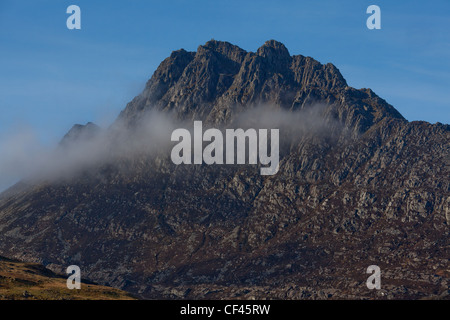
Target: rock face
x,y
367,187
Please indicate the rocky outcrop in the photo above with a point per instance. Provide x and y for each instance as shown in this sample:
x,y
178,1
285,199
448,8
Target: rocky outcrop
x,y
367,187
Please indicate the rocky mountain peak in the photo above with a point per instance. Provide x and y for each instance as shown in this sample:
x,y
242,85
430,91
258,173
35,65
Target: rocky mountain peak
x,y
273,49
221,79
226,49
357,185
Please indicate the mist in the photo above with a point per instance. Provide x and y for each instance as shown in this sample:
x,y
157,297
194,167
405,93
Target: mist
x,y
23,157
312,120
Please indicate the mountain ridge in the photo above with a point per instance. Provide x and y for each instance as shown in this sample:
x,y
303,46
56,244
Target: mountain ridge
x,y
184,77
358,185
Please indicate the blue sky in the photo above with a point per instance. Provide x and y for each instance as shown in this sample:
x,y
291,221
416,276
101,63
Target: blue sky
x,y
52,77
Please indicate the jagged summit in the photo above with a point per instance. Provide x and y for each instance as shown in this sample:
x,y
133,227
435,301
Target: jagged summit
x,y
274,51
219,79
228,50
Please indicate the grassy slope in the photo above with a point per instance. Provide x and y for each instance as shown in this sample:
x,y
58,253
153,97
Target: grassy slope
x,y
19,281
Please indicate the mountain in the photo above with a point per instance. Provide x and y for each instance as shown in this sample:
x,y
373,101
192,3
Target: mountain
x,y
357,185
